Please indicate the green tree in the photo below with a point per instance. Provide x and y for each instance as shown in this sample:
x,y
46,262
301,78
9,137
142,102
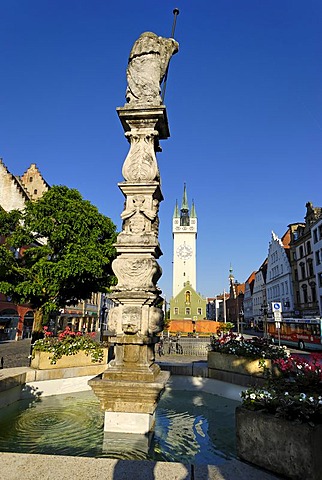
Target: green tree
x,y
65,247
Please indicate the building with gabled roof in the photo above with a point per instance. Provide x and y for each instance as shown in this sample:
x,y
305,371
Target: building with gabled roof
x,y
248,299
259,294
235,302
16,190
279,285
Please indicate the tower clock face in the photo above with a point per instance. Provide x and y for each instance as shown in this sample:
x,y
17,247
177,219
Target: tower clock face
x,y
184,252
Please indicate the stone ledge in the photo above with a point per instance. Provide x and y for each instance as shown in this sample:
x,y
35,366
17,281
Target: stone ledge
x,y
191,369
235,378
34,375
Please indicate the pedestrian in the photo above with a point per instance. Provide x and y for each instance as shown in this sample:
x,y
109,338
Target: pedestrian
x,y
160,348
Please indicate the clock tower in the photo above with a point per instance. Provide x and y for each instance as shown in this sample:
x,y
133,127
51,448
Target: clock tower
x,y
184,229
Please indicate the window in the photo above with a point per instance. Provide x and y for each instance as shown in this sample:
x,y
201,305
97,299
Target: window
x,y
301,251
176,310
188,296
30,179
308,248
199,311
317,257
310,267
320,232
302,270
320,279
315,235
35,191
187,310
304,287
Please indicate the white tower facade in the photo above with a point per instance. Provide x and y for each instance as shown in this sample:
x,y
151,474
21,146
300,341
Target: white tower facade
x,y
184,230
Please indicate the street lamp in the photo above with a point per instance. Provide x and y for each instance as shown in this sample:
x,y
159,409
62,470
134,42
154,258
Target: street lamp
x,y
241,320
264,310
102,317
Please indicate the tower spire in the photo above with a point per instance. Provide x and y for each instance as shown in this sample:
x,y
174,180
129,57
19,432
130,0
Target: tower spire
x,y
184,213
184,204
176,213
231,276
193,210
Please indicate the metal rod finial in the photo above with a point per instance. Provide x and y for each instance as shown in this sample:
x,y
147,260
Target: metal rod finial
x,y
175,13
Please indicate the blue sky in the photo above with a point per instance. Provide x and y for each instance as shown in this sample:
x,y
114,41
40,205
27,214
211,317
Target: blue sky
x,y
244,103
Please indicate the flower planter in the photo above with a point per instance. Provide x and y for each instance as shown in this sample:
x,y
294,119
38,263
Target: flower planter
x,y
239,370
287,448
41,360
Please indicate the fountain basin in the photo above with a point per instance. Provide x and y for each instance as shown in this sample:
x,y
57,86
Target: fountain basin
x,y
191,427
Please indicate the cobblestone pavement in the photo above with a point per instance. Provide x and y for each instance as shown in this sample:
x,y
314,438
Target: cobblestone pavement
x,y
15,354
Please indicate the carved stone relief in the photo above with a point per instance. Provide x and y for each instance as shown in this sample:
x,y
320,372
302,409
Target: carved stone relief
x,y
138,218
140,164
135,273
135,319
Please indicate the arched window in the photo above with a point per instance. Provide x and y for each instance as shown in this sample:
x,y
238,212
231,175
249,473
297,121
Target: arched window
x,y
188,296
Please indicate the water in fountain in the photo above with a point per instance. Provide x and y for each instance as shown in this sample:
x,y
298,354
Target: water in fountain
x,y
192,427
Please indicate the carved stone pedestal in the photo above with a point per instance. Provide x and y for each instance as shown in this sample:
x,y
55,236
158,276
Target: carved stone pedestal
x,y
131,386
129,405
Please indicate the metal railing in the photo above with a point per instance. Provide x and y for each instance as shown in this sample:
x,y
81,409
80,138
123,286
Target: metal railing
x,y
187,346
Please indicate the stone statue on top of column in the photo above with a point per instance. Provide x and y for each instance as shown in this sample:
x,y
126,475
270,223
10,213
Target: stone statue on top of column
x,y
147,66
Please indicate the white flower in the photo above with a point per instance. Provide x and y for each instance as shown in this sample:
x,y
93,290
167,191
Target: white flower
x,y
252,396
311,399
286,393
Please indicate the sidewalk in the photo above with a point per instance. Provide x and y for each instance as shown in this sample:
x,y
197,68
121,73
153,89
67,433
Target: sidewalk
x,y
31,467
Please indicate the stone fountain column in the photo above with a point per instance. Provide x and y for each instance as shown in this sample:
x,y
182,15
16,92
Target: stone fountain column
x,y
131,386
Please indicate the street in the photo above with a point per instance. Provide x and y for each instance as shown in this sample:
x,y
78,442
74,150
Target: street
x,y
15,354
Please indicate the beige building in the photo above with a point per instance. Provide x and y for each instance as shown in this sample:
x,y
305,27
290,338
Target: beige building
x,y
16,190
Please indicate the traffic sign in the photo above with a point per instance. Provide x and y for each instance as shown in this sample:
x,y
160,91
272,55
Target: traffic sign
x,y
276,307
277,316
